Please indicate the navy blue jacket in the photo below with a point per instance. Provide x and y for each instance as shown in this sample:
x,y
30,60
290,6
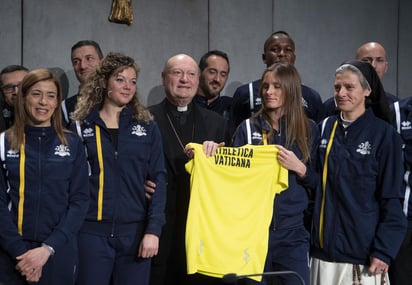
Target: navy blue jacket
x,y
56,191
243,109
402,117
68,106
220,105
362,215
139,156
290,204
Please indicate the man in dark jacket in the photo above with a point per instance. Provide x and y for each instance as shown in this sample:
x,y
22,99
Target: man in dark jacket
x,y
279,46
85,57
214,72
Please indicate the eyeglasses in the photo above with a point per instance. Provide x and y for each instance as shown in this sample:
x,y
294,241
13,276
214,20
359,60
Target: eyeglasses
x,y
8,88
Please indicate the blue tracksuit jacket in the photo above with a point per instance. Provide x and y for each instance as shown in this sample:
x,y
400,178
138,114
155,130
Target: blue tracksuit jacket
x,y
124,170
55,197
362,215
290,204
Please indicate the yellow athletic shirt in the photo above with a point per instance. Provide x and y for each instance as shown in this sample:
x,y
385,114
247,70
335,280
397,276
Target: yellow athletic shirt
x,y
231,207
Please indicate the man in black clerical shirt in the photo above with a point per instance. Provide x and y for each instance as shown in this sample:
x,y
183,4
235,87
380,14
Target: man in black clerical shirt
x,y
180,122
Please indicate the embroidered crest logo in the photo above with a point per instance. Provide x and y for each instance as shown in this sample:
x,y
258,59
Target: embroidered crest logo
x,y
323,143
88,132
364,148
139,131
13,153
62,150
256,136
406,125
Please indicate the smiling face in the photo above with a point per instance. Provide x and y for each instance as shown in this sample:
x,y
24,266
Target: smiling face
x,y
122,86
213,78
85,60
350,96
180,79
40,103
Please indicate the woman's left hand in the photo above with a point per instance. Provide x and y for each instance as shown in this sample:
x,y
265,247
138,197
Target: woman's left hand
x,y
378,266
149,246
30,264
290,161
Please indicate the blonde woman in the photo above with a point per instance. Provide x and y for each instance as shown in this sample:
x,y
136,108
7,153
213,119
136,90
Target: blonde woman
x,y
122,228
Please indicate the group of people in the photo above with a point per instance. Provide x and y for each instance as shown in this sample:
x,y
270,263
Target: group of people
x,y
94,189
61,207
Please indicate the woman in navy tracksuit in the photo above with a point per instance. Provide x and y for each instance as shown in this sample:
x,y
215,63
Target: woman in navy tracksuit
x,y
358,220
45,179
282,121
122,228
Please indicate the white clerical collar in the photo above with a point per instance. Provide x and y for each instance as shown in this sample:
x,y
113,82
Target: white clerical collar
x,y
182,108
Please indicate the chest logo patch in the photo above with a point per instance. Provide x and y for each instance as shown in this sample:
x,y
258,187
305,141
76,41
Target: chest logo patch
x,y
88,132
62,150
258,101
323,143
13,153
406,125
364,148
139,131
256,136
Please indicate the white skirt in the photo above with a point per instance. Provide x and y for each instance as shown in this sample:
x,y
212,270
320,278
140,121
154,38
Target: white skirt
x,y
328,273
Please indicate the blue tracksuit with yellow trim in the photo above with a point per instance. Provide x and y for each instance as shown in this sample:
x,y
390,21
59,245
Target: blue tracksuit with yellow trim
x,y
362,215
54,203
119,208
288,237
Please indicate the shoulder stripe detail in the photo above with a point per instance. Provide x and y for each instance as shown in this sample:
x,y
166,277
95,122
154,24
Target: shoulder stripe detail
x,y
398,116
251,97
248,132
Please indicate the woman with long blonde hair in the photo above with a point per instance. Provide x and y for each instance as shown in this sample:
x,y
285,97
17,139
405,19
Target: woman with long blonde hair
x,y
123,143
